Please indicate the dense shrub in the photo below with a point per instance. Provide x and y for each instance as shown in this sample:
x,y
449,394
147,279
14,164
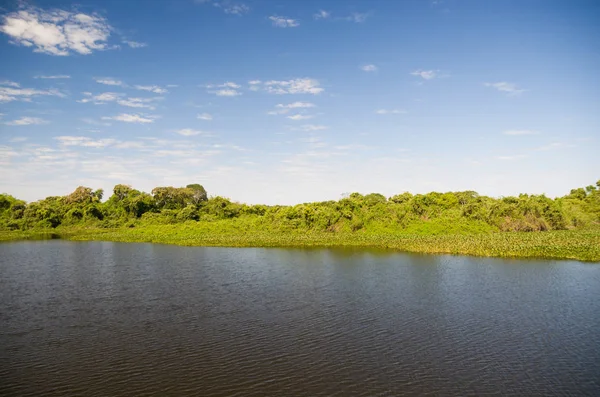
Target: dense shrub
x,y
431,213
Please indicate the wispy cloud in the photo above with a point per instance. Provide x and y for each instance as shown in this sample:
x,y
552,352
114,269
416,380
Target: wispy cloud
x,y
83,141
151,88
189,132
322,14
294,86
119,99
369,68
27,121
138,102
254,85
520,132
57,76
95,122
205,116
283,22
297,105
284,109
100,98
57,32
234,9
9,83
108,81
226,92
228,6
390,111
312,127
297,117
357,17
115,82
131,118
227,84
509,88
550,146
426,74
11,91
135,44
227,89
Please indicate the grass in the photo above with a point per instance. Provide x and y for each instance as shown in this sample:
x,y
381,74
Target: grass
x,y
583,245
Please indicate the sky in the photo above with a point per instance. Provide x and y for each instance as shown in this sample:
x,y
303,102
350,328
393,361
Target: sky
x,y
284,102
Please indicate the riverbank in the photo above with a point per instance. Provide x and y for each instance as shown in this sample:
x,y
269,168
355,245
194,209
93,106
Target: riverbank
x,y
583,245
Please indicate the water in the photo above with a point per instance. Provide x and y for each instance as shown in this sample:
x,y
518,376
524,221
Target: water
x,y
107,319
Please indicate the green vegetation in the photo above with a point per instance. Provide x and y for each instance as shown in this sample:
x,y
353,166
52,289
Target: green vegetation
x,y
455,222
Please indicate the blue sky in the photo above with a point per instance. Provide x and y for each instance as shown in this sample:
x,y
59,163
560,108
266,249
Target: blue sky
x,y
268,101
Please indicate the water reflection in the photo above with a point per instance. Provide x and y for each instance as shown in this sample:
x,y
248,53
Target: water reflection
x,y
133,319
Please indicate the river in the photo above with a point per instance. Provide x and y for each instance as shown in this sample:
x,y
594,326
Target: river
x,y
113,319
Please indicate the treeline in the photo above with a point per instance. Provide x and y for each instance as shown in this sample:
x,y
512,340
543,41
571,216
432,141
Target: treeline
x,y
419,213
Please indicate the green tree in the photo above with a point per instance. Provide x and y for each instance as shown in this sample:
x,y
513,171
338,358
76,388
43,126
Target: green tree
x,y
199,193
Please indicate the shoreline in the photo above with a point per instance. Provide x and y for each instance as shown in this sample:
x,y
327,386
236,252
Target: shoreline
x,y
580,245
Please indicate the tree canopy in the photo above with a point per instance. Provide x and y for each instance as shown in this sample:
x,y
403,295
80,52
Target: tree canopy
x,y
450,212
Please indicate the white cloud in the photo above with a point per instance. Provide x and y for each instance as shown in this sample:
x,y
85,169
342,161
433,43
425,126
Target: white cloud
x,y
108,96
283,109
135,44
228,88
131,118
254,85
312,127
297,117
18,139
509,88
138,102
390,111
151,88
369,68
57,32
130,145
357,17
27,121
322,14
230,84
95,122
118,97
297,105
205,116
283,22
554,145
102,98
189,132
227,6
235,9
227,84
10,83
520,132
226,92
58,76
295,86
109,81
66,140
114,82
426,74
11,91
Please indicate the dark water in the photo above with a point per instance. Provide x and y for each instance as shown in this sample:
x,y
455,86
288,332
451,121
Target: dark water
x,y
106,319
